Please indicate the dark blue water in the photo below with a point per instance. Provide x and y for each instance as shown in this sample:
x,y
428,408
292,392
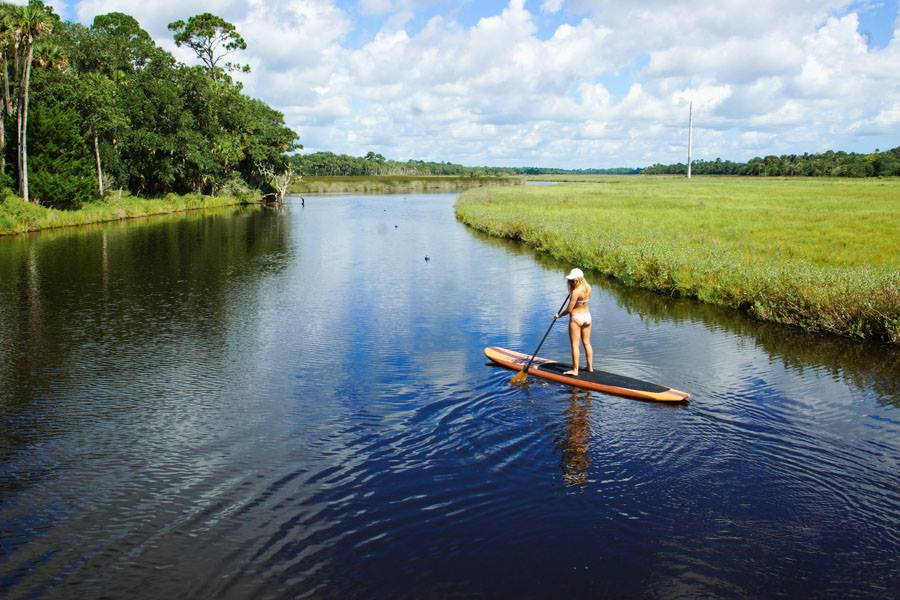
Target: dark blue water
x,y
294,404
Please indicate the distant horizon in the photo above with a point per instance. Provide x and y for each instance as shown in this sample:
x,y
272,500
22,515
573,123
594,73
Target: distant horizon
x,y
579,82
632,167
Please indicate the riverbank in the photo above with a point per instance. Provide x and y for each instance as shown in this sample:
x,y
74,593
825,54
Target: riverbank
x,y
18,216
396,184
821,254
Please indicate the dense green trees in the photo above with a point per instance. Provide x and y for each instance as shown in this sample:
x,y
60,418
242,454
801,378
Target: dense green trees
x,y
330,164
833,164
109,109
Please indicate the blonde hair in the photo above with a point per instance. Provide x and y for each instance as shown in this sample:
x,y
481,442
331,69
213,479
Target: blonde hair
x,y
574,284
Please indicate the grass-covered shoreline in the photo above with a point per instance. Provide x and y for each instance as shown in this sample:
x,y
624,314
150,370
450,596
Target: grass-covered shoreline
x,y
18,216
394,184
822,254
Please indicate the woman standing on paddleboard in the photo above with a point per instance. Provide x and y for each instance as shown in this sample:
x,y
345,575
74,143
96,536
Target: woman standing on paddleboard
x,y
579,319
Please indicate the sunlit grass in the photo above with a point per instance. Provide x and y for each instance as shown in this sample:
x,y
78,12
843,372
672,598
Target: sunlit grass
x,y
823,254
18,216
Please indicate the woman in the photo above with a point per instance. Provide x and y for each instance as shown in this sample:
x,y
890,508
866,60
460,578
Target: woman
x,y
579,319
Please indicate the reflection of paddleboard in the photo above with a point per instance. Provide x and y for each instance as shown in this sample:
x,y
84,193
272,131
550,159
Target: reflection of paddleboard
x,y
598,380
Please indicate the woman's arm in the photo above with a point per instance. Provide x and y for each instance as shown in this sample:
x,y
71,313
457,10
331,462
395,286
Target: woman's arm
x,y
574,297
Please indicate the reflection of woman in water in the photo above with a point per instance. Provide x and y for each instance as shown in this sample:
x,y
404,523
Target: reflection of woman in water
x,y
575,459
579,319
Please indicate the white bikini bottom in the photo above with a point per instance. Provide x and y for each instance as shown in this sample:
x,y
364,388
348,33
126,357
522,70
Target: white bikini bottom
x,y
582,318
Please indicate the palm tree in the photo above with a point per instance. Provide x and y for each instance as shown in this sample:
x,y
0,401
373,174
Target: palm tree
x,y
50,55
7,49
28,23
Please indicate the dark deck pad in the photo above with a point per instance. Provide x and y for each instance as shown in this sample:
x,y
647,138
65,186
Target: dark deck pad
x,y
604,378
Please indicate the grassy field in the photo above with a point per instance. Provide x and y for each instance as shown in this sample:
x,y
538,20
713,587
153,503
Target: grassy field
x,y
390,184
570,178
822,254
18,216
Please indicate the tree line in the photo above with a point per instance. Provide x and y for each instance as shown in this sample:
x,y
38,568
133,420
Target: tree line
x,y
830,164
102,107
330,164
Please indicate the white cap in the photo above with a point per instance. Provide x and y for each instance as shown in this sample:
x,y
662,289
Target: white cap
x,y
575,274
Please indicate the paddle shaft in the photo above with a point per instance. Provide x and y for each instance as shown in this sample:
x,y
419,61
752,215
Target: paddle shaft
x,y
553,322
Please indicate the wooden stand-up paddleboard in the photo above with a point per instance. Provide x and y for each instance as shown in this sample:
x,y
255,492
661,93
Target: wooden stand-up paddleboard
x,y
598,380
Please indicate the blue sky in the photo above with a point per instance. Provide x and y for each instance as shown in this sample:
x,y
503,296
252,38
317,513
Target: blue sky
x,y
574,83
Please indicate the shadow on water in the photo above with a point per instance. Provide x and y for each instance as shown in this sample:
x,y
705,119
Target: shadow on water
x,y
862,364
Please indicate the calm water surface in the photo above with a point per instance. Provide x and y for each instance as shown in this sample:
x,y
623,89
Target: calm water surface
x,y
294,404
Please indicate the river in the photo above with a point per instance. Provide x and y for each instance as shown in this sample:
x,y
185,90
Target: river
x,y
294,403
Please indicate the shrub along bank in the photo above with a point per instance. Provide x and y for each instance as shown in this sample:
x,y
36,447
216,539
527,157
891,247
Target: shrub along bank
x,y
18,216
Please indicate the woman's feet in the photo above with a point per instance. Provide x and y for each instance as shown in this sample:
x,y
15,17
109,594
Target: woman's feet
x,y
574,372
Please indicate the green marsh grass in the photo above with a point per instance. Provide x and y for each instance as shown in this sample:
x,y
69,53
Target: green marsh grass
x,y
18,216
822,254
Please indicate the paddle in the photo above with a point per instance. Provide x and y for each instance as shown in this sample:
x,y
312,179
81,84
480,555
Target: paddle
x,y
523,374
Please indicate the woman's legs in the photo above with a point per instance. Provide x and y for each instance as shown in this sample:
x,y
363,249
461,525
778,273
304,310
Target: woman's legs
x,y
588,349
574,337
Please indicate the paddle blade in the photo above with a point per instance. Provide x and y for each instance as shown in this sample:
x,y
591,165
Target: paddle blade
x,y
520,377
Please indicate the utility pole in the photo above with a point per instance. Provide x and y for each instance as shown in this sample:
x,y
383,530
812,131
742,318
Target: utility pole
x,y
690,134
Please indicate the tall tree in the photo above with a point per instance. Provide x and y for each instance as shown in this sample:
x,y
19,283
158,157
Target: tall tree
x,y
29,23
101,114
212,38
7,50
106,57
